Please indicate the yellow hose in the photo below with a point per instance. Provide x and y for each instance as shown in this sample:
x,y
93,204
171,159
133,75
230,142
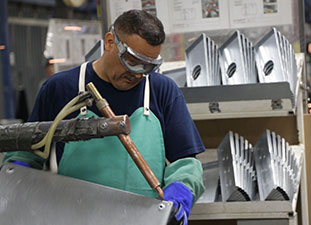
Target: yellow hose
x,y
70,104
46,141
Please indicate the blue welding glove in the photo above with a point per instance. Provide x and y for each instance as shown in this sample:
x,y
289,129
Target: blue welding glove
x,y
21,163
182,199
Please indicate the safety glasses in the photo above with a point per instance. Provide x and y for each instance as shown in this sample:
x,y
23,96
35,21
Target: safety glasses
x,y
133,61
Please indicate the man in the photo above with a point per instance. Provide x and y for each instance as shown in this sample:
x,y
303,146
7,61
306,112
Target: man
x,y
161,126
49,71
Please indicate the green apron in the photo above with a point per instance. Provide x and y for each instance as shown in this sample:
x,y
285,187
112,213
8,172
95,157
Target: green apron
x,y
105,161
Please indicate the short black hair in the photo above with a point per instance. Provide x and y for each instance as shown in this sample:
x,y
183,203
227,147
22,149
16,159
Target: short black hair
x,y
142,23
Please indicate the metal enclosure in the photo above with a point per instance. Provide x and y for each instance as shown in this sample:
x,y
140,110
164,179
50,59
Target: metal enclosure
x,y
202,65
275,60
197,64
211,183
278,168
237,60
236,169
29,196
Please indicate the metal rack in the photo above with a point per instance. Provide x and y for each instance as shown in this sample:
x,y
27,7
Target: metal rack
x,y
258,211
245,100
218,104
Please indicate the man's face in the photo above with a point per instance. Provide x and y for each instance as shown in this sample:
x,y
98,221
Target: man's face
x,y
117,74
49,70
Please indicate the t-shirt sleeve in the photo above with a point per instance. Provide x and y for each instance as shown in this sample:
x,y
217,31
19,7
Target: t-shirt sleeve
x,y
181,135
33,160
43,107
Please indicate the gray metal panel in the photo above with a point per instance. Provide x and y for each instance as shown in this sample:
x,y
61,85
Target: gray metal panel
x,y
237,176
197,63
228,177
275,61
268,50
29,196
264,222
267,167
236,59
96,52
258,91
232,63
177,75
211,182
264,165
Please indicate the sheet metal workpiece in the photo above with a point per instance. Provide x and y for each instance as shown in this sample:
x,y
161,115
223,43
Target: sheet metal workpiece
x,y
268,168
231,169
275,60
202,66
29,196
211,182
198,63
232,62
268,58
236,168
236,61
226,170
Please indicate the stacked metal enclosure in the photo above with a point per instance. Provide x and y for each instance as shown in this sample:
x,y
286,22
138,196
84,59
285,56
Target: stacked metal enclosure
x,y
278,168
275,60
211,183
202,60
238,61
271,165
236,169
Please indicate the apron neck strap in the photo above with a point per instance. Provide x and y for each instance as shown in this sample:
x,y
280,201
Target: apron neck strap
x,y
83,109
147,97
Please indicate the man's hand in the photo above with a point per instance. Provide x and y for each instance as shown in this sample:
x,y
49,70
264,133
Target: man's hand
x,y
182,199
178,216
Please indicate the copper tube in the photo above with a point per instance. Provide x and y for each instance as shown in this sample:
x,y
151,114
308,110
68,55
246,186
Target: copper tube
x,y
127,142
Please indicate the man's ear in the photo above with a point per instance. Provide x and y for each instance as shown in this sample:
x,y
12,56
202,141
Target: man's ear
x,y
109,41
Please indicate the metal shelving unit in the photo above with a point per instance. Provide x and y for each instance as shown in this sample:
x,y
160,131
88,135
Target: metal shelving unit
x,y
239,101
245,211
250,102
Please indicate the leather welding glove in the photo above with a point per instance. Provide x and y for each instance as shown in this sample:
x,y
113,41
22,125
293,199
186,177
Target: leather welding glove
x,y
182,199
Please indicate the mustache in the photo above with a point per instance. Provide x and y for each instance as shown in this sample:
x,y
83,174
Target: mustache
x,y
132,77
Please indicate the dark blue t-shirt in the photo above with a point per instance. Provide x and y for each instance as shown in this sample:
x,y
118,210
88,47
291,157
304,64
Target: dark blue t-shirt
x,y
180,135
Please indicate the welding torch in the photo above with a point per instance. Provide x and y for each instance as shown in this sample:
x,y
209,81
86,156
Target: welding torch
x,y
127,142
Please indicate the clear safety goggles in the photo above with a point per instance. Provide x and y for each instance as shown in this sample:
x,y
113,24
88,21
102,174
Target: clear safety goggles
x,y
133,61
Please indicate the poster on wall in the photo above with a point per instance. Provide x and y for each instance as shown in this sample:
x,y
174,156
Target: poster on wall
x,y
257,13
117,7
197,15
181,16
155,7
